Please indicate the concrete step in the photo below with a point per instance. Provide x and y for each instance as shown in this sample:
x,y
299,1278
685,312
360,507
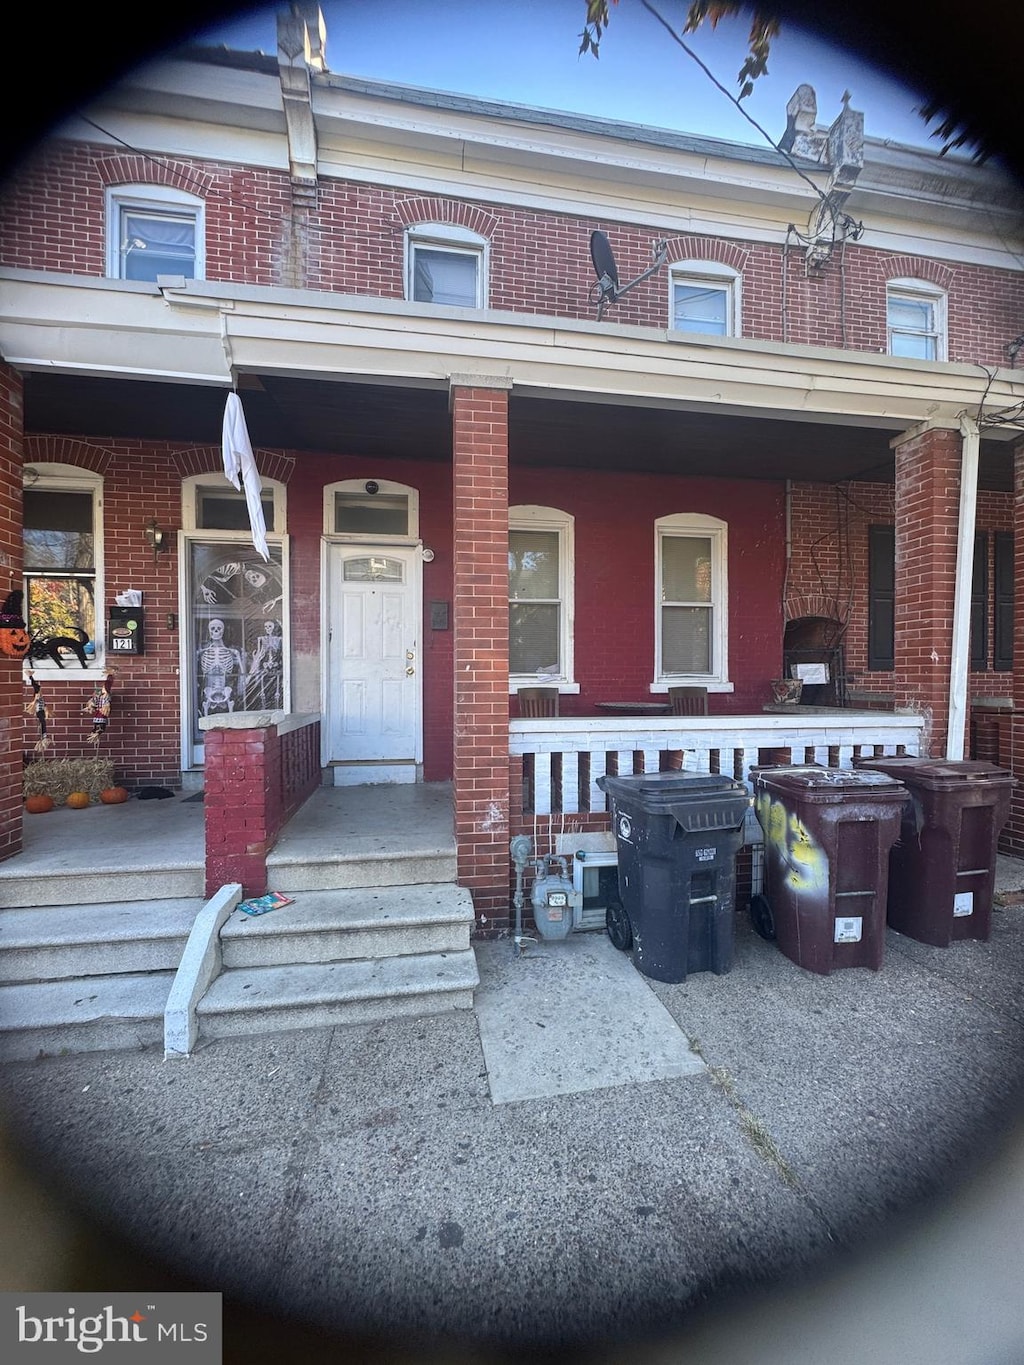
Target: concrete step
x,y
96,886
82,1014
48,943
297,872
345,925
307,995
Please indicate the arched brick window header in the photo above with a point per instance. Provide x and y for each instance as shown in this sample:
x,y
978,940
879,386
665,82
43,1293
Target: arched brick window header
x,y
66,450
413,212
143,170
917,268
209,460
707,249
811,605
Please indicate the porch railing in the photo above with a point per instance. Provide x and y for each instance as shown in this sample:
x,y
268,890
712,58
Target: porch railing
x,y
563,757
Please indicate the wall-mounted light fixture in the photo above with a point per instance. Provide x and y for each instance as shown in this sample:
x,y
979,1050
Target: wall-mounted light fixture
x,y
156,537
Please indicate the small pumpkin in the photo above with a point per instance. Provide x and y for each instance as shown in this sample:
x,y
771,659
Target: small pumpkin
x,y
38,804
113,796
77,800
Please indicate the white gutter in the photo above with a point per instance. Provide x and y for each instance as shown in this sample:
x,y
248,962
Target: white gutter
x,y
961,646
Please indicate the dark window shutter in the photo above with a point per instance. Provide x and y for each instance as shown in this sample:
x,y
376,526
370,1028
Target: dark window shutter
x,y
881,598
979,604
1003,630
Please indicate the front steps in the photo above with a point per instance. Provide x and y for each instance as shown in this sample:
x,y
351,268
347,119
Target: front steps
x,y
355,955
365,939
88,977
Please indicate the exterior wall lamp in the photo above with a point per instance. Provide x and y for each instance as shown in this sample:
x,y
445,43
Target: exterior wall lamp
x,y
156,537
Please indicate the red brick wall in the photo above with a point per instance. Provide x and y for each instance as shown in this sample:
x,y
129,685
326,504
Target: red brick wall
x,y
480,529
539,261
614,516
828,567
11,699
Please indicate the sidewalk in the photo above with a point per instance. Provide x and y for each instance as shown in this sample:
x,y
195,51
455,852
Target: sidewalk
x,y
804,1179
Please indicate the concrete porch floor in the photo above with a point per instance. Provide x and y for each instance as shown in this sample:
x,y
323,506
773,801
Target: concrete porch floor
x,y
159,835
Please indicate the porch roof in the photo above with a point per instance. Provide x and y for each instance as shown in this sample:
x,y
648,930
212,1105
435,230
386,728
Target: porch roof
x,y
385,422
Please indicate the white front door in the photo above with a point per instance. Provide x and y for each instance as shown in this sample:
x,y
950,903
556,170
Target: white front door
x,y
373,682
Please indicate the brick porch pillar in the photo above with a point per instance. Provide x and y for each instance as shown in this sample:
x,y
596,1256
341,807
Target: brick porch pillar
x,y
927,514
479,407
1012,840
12,690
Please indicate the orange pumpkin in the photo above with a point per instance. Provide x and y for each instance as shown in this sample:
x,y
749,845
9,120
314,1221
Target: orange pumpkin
x,y
36,805
113,796
77,800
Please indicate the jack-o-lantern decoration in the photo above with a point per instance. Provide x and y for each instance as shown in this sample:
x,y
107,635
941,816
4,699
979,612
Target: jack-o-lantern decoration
x,y
14,638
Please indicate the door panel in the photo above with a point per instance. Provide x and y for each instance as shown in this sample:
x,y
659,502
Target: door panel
x,y
373,685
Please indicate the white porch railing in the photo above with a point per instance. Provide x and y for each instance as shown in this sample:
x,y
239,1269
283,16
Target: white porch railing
x,y
564,756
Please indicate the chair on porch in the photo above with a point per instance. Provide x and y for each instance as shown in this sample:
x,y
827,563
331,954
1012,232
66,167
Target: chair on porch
x,y
538,701
688,701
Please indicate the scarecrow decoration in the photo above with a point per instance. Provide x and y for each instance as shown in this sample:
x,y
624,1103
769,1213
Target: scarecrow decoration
x,y
14,638
98,706
38,705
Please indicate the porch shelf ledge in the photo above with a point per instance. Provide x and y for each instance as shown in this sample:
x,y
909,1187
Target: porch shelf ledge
x,y
283,721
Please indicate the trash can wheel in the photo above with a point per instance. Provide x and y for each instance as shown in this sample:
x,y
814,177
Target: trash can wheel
x,y
761,917
616,921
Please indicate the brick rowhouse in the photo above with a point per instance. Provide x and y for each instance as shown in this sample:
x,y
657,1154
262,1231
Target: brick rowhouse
x,y
12,699
927,507
480,738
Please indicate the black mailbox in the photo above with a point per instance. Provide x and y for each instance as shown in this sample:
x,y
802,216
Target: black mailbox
x,y
126,631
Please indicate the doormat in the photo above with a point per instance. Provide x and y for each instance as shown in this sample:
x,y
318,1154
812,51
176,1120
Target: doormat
x,y
197,797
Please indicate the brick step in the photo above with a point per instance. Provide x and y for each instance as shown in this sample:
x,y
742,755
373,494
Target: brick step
x,y
345,925
297,872
305,995
51,942
82,1014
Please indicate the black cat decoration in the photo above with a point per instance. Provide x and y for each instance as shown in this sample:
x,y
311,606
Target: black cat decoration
x,y
50,646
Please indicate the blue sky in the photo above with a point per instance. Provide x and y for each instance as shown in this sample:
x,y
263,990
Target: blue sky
x,y
526,52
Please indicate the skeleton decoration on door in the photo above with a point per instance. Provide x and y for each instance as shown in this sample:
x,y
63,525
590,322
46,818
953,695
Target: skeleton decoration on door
x,y
237,630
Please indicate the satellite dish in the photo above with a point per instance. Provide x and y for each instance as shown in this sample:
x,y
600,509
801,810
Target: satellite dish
x,y
608,288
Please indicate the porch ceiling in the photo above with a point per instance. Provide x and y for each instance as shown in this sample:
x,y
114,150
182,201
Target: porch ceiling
x,y
395,421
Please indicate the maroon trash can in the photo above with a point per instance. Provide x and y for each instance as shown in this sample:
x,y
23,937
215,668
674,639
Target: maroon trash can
x,y
942,871
827,836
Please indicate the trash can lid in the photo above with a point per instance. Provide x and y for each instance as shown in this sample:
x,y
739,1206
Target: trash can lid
x,y
944,773
671,787
814,781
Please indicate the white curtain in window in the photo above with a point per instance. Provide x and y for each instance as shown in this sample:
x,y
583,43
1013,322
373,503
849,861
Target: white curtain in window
x,y
445,277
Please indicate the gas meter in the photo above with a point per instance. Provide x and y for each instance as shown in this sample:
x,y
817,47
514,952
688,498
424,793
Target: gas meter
x,y
557,907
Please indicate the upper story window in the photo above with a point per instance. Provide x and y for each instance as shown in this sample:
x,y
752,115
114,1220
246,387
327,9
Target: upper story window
x,y
540,591
446,264
371,509
916,320
704,297
691,628
62,558
153,230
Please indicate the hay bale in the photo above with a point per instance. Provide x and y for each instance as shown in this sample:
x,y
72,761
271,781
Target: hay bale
x,y
59,777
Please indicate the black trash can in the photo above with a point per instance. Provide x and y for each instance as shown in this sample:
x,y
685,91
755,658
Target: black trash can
x,y
942,872
677,836
827,836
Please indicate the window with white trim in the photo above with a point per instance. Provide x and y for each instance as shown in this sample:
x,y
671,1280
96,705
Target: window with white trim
x,y
371,510
154,230
915,320
63,518
540,592
446,264
691,626
210,503
704,297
